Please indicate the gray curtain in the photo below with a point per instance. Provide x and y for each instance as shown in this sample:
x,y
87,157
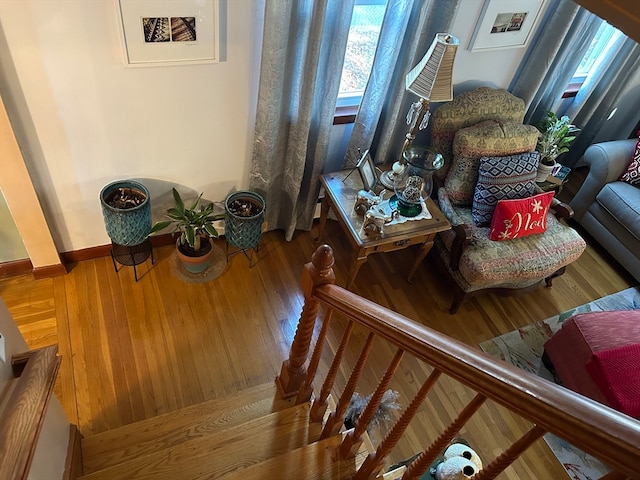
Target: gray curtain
x,y
553,56
408,28
550,63
600,99
303,52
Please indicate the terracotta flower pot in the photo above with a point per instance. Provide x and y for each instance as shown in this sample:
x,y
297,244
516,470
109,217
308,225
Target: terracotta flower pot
x,y
196,264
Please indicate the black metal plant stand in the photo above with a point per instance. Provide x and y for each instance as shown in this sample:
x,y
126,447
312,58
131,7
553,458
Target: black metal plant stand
x,y
131,255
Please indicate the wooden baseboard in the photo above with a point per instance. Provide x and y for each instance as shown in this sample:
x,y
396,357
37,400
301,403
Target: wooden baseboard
x,y
49,271
18,267
73,464
15,267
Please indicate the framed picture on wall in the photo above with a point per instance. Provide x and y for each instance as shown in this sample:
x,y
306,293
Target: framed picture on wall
x,y
505,24
169,32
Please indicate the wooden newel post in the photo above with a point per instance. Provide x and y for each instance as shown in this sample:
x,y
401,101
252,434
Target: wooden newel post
x,y
315,273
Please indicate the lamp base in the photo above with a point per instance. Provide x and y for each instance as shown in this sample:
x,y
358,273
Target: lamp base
x,y
387,179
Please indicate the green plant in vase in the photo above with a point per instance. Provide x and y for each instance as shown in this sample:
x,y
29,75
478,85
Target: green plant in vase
x,y
196,226
554,139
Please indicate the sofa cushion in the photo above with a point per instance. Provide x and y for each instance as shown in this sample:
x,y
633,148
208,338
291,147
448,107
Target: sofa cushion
x,y
632,174
524,261
518,218
469,108
503,178
622,201
485,139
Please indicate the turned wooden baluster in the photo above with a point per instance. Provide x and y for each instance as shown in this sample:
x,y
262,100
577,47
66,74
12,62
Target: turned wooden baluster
x,y
374,462
304,394
498,465
336,419
353,440
319,406
426,458
315,273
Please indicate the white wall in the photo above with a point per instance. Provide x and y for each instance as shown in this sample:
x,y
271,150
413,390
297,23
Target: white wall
x,y
51,451
95,120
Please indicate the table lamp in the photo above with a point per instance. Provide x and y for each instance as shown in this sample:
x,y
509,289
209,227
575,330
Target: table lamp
x,y
431,80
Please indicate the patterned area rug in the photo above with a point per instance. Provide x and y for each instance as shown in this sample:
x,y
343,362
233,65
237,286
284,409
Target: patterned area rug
x,y
523,348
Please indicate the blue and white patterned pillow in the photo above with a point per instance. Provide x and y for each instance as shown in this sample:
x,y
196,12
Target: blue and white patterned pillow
x,y
501,178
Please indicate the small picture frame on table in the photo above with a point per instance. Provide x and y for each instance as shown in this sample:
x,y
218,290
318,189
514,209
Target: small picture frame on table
x,y
367,171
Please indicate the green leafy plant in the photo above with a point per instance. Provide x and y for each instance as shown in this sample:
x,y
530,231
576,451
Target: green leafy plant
x,y
556,134
194,223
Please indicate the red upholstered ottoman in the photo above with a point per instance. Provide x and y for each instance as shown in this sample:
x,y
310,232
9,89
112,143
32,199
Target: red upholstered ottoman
x,y
597,354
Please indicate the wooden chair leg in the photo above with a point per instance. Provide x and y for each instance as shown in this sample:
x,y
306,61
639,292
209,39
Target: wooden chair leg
x,y
557,273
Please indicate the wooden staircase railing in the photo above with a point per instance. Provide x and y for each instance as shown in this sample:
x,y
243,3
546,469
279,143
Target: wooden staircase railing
x,y
24,411
605,433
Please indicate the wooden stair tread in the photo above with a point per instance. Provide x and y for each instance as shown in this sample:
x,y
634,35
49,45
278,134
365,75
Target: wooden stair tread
x,y
316,461
217,453
159,433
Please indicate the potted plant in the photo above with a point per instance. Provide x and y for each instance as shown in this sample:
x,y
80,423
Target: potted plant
x,y
556,134
127,212
196,226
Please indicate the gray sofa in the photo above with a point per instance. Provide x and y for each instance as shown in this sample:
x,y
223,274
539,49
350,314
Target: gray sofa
x,y
610,209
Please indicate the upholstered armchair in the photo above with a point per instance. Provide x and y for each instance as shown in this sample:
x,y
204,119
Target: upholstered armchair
x,y
482,137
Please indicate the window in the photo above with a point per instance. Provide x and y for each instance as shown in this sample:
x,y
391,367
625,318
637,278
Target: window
x,y
361,47
598,51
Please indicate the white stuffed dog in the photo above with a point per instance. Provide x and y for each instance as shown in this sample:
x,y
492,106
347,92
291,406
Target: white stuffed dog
x,y
460,462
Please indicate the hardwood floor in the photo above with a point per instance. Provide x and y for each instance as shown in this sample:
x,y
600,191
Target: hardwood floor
x,y
135,350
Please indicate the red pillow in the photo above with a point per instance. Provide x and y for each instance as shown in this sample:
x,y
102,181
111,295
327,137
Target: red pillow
x,y
632,173
521,217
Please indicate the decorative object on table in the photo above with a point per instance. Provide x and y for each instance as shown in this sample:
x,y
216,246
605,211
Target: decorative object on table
x,y
195,223
374,221
126,209
431,80
505,24
365,200
556,134
367,171
414,185
243,222
524,348
171,32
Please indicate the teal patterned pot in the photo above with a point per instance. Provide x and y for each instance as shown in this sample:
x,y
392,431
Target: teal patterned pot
x,y
126,226
242,231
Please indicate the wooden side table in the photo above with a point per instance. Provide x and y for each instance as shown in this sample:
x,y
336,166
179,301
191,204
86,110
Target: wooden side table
x,y
340,194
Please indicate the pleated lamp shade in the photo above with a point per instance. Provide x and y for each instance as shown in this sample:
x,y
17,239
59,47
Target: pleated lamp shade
x,y
431,78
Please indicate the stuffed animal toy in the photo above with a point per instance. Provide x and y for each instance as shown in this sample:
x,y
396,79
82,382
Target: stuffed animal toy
x,y
459,461
456,468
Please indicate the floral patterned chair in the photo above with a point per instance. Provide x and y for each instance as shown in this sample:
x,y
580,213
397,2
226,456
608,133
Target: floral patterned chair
x,y
479,128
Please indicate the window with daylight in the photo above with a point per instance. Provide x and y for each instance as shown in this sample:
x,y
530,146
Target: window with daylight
x,y
598,52
361,48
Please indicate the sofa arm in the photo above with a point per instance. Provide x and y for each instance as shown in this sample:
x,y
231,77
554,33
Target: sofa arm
x,y
606,162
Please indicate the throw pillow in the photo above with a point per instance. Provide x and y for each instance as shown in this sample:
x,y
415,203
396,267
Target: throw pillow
x,y
484,139
632,173
519,218
503,178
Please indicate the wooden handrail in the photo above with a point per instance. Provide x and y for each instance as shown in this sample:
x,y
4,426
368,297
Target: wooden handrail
x,y
589,425
599,430
24,412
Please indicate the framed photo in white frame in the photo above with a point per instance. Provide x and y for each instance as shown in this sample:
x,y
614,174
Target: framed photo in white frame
x,y
169,32
505,24
367,171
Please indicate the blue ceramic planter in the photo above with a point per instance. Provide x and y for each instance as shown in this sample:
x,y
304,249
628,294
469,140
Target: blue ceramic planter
x,y
126,226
